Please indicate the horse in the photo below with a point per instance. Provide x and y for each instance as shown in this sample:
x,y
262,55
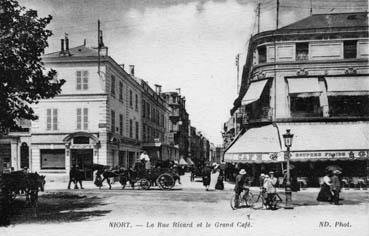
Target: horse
x,y
107,174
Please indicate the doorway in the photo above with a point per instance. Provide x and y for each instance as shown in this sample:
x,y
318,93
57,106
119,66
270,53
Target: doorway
x,y
84,159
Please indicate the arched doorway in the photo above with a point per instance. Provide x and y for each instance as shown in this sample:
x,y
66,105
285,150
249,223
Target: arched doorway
x,y
24,156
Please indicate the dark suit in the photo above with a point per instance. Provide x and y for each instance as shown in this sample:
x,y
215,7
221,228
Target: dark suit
x,y
336,188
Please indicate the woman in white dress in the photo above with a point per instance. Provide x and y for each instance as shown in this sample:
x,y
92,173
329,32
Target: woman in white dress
x,y
214,176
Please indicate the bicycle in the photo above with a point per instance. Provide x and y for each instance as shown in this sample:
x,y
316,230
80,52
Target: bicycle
x,y
268,202
245,199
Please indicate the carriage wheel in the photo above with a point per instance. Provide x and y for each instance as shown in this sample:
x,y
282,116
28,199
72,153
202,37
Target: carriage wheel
x,y
144,184
165,181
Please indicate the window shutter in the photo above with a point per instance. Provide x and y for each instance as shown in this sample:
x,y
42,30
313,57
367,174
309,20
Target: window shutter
x,y
85,118
55,119
78,80
79,118
48,119
85,80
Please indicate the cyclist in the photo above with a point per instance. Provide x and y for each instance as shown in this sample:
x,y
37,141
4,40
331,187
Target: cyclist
x,y
269,185
241,185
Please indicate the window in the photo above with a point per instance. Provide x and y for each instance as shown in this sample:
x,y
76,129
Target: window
x,y
52,158
153,114
130,128
82,80
262,54
136,102
137,130
130,99
148,110
52,119
348,105
302,51
81,140
349,49
113,121
82,116
121,124
112,86
162,120
120,91
143,108
144,132
305,107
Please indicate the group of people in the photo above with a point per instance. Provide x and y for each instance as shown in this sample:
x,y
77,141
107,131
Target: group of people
x,y
267,184
75,176
331,187
213,172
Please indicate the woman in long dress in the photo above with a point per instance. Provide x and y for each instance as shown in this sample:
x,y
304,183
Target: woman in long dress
x,y
214,176
325,193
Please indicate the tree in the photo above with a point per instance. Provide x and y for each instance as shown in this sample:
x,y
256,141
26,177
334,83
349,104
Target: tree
x,y
23,77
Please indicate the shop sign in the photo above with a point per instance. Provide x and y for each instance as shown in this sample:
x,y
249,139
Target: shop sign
x,y
330,155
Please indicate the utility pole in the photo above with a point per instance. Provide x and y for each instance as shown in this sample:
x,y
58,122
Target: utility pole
x,y
277,13
238,71
311,7
98,46
258,15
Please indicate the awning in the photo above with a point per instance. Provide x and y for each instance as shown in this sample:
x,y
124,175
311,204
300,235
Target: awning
x,y
253,92
256,145
182,162
303,85
327,141
349,85
189,161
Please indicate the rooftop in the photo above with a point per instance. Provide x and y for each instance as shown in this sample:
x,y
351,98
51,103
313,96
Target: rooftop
x,y
79,51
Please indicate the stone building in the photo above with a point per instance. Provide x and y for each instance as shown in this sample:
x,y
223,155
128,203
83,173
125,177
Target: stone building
x,y
311,77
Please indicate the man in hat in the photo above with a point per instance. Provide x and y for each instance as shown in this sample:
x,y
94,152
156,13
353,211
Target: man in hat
x,y
241,185
336,187
269,185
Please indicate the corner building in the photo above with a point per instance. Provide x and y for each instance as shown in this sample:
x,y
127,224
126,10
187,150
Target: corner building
x,y
310,77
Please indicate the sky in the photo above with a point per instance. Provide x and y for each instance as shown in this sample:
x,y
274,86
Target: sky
x,y
187,44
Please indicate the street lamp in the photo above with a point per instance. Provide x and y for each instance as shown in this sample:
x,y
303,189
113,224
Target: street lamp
x,y
287,137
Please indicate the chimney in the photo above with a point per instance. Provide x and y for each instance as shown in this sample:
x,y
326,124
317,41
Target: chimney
x,y
61,47
132,70
122,66
67,44
158,89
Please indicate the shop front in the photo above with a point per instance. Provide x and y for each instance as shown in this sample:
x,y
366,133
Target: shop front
x,y
316,146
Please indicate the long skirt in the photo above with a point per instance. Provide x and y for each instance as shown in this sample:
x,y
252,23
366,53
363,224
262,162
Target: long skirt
x,y
325,194
206,180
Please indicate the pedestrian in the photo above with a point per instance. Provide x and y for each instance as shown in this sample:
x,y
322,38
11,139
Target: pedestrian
x,y
72,176
336,187
79,177
270,188
206,173
220,185
241,184
325,193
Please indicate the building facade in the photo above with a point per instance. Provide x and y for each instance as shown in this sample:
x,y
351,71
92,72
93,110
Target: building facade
x,y
179,121
95,119
311,77
154,121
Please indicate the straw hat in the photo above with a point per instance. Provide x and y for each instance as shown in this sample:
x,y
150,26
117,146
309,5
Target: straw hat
x,y
242,172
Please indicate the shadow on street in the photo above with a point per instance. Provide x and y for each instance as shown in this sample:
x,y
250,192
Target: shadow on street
x,y
57,207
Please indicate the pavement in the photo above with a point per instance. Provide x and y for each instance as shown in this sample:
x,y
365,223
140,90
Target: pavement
x,y
186,210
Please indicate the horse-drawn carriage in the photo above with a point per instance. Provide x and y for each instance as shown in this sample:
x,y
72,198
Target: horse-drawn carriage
x,y
18,182
139,177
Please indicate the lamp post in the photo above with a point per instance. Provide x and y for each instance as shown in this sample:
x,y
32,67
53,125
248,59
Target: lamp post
x,y
287,137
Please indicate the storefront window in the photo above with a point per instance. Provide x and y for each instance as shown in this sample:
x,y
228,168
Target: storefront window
x,y
305,107
52,158
349,105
